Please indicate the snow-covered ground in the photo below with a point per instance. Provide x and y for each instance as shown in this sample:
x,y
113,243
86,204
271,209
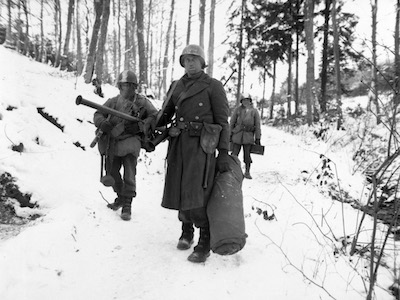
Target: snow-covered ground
x,y
80,249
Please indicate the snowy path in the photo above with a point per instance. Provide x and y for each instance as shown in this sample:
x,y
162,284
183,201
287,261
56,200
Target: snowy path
x,y
82,250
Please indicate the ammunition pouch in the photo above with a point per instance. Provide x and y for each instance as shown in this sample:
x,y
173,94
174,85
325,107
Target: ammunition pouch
x,y
117,130
209,138
249,128
194,128
132,128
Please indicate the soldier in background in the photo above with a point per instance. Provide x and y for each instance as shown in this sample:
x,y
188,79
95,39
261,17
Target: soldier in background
x,y
245,130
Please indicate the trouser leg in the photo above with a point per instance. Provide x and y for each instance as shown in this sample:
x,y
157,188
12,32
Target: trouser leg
x,y
236,149
246,154
115,173
129,179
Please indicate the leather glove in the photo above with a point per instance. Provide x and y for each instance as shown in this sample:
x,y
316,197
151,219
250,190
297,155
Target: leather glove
x,y
223,161
106,126
132,128
258,142
148,126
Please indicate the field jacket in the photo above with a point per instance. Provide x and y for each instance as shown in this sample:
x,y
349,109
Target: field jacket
x,y
245,125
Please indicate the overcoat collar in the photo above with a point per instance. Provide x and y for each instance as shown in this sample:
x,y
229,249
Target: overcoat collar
x,y
199,85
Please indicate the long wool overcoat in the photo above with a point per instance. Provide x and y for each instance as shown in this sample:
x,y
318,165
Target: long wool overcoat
x,y
245,125
201,100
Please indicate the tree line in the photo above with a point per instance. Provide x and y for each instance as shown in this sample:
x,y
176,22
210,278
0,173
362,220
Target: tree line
x,y
100,38
269,32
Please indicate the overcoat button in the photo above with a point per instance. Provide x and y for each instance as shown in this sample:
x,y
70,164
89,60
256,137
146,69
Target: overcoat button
x,y
181,119
201,104
196,117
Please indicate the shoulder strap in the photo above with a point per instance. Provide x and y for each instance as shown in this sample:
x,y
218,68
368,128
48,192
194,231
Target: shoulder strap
x,y
165,103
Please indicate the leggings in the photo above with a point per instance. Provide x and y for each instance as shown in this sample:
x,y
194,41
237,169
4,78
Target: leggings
x,y
246,152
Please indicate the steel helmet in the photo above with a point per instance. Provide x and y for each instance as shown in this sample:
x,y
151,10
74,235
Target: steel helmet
x,y
127,76
193,50
245,96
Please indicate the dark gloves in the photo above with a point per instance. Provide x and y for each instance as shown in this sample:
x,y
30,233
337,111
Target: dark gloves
x,y
258,142
148,126
223,161
106,126
132,128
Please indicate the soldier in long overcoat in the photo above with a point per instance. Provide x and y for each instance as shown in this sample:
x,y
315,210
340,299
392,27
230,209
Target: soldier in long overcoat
x,y
200,107
246,130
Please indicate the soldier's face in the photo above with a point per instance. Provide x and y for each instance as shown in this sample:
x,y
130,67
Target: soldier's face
x,y
127,89
246,102
192,64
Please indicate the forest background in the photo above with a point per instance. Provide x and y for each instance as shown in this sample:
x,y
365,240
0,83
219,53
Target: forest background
x,y
299,59
256,44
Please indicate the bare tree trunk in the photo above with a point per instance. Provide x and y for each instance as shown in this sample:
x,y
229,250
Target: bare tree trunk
x,y
271,107
90,60
337,67
8,32
149,49
296,82
58,32
141,45
26,41
132,34
114,14
396,94
158,55
290,58
19,27
397,56
165,63
69,26
119,40
309,31
99,65
41,53
127,37
189,23
263,93
210,67
374,82
173,52
240,58
324,72
202,13
289,81
79,62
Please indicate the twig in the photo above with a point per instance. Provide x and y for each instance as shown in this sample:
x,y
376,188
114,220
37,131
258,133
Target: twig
x,y
294,266
103,197
312,217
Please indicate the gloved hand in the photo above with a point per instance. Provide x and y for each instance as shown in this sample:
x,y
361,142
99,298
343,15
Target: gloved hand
x,y
258,142
132,128
148,126
223,161
106,126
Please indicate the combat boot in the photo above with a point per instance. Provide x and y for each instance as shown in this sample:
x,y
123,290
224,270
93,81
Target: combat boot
x,y
118,203
247,172
186,239
126,209
202,250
